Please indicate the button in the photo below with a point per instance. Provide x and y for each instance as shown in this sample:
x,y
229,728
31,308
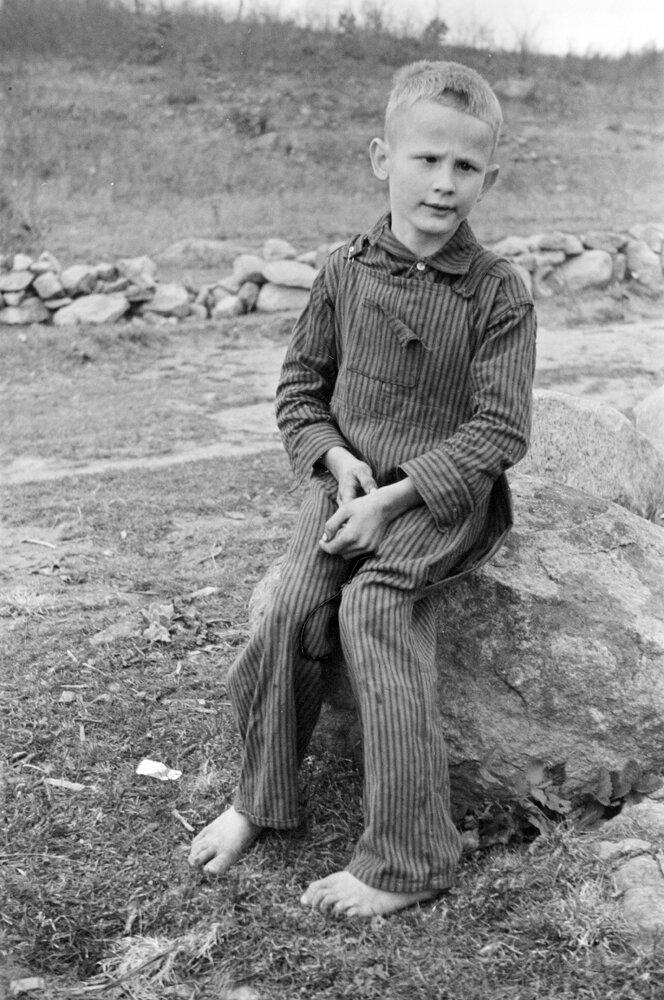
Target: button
x,y
421,266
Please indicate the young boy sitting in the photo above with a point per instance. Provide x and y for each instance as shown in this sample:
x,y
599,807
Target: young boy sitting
x,y
404,396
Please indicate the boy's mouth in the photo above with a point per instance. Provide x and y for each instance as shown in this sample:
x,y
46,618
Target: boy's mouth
x,y
439,209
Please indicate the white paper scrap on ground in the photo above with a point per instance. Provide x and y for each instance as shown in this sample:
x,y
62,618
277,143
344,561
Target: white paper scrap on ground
x,y
155,769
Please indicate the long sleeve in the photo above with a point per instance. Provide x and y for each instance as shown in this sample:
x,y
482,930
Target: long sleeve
x,y
455,476
308,376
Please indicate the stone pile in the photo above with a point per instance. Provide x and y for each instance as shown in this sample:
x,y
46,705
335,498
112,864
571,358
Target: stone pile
x,y
40,290
558,262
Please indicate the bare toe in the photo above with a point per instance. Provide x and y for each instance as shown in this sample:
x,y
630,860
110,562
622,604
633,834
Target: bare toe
x,y
346,895
221,842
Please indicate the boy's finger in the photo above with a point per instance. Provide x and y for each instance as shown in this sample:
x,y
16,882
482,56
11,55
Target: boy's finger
x,y
368,483
332,526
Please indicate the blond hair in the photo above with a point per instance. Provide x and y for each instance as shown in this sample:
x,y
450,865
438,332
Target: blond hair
x,y
448,83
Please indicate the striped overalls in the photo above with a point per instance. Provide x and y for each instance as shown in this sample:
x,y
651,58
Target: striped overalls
x,y
421,369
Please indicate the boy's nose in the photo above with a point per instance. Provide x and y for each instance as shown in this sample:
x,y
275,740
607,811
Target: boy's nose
x,y
444,181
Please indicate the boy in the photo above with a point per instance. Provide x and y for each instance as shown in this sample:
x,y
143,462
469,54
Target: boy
x,y
405,394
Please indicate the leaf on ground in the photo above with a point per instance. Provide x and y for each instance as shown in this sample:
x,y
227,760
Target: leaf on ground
x,y
68,786
126,629
156,633
155,769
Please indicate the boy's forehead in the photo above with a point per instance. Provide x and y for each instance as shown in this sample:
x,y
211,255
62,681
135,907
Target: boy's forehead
x,y
426,120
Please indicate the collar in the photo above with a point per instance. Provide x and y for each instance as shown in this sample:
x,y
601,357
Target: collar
x,y
453,258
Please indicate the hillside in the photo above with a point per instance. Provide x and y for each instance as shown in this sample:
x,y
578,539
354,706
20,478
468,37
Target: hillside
x,y
125,138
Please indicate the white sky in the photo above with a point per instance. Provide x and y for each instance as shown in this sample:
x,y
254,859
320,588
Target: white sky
x,y
582,26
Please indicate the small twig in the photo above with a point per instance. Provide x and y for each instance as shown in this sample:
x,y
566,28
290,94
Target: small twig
x,y
180,818
38,541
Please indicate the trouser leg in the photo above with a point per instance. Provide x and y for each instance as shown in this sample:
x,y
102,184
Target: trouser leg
x,y
274,689
409,841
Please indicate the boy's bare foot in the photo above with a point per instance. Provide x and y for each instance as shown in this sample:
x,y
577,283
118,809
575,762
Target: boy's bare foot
x,y
221,842
342,893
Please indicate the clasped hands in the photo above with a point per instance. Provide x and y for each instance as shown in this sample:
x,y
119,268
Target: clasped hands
x,y
360,522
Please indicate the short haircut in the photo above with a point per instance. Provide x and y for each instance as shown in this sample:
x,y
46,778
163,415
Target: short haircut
x,y
448,83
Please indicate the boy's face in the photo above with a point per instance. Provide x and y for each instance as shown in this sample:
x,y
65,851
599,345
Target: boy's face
x,y
437,161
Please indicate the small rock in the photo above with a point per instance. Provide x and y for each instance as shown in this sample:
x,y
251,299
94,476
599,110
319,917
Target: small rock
x,y
591,269
197,310
511,246
277,298
641,883
14,298
275,249
645,818
290,274
22,262
15,281
649,418
137,294
619,269
106,272
67,697
54,304
310,258
46,262
79,279
171,300
17,987
248,294
230,305
570,245
651,233
31,310
48,286
611,242
268,141
608,849
229,283
140,270
92,309
116,285
248,267
644,266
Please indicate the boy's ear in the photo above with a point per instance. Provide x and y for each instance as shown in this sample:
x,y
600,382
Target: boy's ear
x,y
490,178
379,158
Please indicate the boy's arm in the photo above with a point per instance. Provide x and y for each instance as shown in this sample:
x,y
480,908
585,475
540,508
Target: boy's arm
x,y
308,376
454,477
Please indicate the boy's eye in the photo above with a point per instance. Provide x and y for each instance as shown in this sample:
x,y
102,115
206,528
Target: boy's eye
x,y
465,166
428,159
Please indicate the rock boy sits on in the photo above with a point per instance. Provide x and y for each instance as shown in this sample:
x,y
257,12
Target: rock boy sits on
x,y
404,396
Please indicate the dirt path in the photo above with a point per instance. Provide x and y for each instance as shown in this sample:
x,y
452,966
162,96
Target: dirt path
x,y
229,393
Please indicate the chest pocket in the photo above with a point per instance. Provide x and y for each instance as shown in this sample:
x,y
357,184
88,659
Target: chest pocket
x,y
383,348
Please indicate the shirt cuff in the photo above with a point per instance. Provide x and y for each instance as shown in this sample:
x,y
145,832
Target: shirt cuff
x,y
313,444
447,503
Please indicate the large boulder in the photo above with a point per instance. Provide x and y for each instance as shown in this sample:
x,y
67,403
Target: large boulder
x,y
92,309
594,447
551,657
591,269
649,418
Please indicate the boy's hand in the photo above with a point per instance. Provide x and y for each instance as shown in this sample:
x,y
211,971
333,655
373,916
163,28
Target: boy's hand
x,y
357,528
353,476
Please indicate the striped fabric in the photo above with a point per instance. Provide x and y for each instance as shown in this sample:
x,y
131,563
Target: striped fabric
x,y
421,368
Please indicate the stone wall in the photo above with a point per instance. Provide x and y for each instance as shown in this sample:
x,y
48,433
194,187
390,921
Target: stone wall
x,y
42,290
